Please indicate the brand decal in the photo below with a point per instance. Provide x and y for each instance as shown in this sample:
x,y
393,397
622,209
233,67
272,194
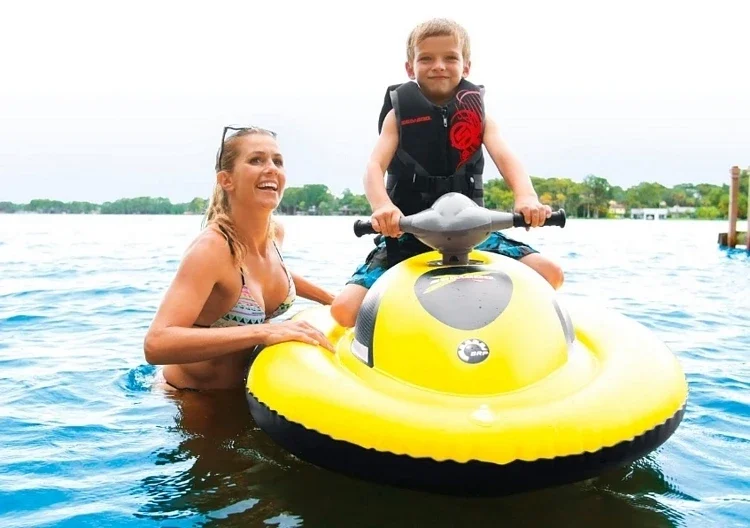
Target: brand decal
x,y
473,351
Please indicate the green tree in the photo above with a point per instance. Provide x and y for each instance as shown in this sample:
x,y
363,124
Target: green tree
x,y
597,195
708,213
197,206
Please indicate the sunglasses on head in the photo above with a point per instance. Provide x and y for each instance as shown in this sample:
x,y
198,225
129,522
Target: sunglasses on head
x,y
238,130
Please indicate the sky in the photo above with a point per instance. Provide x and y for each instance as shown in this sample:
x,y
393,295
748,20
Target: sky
x,y
101,101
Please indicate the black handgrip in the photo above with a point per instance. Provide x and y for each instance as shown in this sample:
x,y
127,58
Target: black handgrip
x,y
363,227
557,219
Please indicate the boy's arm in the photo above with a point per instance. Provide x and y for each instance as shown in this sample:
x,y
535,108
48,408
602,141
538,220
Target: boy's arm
x,y
512,171
385,215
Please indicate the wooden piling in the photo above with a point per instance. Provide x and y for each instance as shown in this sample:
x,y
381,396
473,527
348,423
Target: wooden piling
x,y
734,194
732,238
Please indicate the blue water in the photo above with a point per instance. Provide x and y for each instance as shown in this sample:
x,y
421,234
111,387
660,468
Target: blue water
x,y
86,441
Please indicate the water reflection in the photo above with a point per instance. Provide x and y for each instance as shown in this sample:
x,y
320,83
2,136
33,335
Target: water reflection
x,y
217,464
224,471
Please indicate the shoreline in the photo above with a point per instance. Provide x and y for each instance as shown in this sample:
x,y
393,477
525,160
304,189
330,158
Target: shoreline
x,y
36,213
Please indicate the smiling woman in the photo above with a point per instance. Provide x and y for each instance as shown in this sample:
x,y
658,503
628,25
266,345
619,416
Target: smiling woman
x,y
232,278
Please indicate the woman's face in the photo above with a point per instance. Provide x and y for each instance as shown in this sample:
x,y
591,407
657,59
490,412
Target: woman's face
x,y
258,178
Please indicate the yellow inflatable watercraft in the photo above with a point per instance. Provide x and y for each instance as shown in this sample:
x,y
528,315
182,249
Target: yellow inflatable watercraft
x,y
467,374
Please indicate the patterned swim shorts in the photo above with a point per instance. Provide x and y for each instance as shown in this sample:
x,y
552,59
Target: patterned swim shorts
x,y
376,262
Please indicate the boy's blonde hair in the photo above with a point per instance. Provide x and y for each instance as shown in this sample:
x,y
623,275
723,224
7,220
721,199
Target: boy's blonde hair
x,y
438,27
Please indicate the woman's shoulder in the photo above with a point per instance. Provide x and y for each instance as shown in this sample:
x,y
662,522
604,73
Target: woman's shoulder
x,y
278,232
209,247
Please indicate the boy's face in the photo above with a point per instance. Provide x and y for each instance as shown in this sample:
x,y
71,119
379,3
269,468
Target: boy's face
x,y
438,67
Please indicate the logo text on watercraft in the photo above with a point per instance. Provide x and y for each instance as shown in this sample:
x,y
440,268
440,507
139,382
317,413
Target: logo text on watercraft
x,y
473,351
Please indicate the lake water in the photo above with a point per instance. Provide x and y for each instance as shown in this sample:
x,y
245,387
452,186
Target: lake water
x,y
86,441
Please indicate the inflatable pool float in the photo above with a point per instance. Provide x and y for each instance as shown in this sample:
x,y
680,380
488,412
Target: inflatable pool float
x,y
466,373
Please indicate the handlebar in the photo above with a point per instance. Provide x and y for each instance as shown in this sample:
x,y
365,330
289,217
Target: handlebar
x,y
364,227
455,224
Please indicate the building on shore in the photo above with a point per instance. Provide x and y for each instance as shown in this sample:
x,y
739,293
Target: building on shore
x,y
649,213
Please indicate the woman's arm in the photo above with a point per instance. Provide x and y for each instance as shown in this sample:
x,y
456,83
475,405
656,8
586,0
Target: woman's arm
x,y
304,287
171,339
308,290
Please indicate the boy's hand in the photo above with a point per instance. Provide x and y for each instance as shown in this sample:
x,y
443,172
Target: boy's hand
x,y
534,212
385,220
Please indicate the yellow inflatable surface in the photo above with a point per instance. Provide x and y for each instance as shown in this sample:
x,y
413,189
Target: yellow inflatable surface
x,y
475,377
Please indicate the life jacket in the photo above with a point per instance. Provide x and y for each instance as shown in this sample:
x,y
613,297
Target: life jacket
x,y
440,147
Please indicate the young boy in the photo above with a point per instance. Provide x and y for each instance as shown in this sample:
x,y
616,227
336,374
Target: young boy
x,y
431,136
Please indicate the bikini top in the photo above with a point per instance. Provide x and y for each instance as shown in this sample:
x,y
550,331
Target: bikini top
x,y
247,311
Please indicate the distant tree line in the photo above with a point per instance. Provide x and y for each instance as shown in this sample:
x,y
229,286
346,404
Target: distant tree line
x,y
141,205
594,197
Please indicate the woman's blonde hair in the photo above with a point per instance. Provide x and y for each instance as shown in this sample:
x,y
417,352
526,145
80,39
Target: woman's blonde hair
x,y
218,213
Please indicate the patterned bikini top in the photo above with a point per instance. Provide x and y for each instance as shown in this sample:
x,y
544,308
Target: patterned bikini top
x,y
247,311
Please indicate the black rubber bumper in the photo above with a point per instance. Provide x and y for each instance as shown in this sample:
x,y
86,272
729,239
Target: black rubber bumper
x,y
471,478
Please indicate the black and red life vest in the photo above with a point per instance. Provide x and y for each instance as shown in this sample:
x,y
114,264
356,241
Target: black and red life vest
x,y
440,147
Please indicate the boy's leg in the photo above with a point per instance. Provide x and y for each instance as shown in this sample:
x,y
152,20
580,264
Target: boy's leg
x,y
502,245
345,306
545,267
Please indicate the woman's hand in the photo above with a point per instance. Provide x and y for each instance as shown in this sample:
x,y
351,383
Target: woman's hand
x,y
301,331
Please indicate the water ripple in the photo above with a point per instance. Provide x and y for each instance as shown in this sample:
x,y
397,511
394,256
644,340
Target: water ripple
x,y
85,440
